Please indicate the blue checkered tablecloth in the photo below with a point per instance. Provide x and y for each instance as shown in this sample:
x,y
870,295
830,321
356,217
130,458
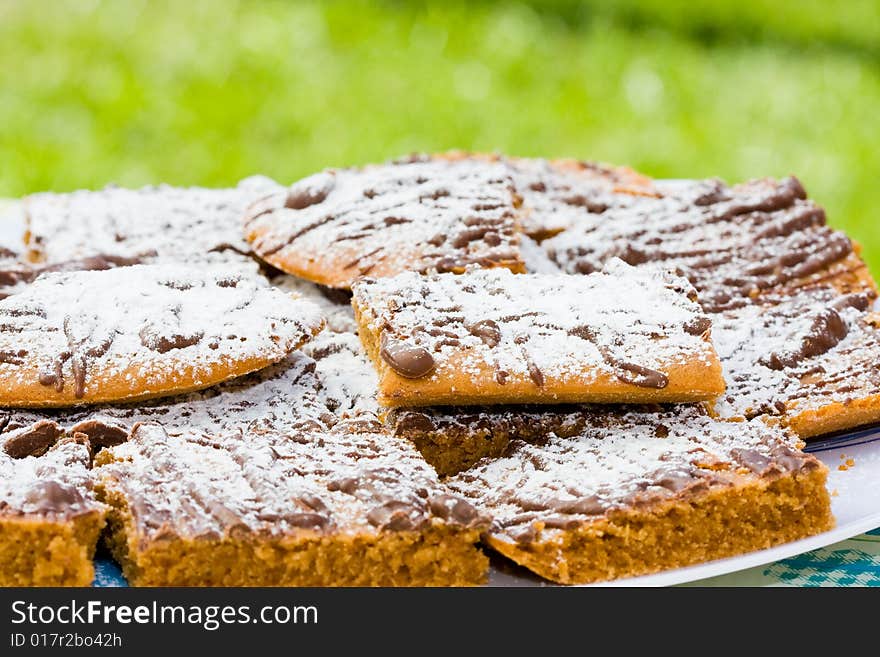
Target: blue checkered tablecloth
x,y
853,562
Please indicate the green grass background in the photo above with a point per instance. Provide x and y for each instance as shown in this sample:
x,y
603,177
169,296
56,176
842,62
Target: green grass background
x,y
209,91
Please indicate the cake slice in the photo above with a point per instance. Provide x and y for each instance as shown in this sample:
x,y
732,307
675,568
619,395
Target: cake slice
x,y
733,243
633,492
335,508
50,519
489,336
163,223
143,331
806,359
423,213
559,194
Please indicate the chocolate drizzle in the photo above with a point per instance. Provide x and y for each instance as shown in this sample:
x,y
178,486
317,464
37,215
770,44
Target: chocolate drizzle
x,y
55,376
301,197
34,440
163,342
100,433
13,357
827,330
82,351
534,371
487,330
442,214
53,496
637,375
408,360
43,474
731,242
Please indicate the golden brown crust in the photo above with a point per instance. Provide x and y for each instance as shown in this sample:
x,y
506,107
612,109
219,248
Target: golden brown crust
x,y
437,556
489,341
720,523
40,552
22,389
833,417
426,212
694,381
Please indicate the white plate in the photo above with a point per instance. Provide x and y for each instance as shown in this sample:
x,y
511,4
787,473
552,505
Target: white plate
x,y
855,501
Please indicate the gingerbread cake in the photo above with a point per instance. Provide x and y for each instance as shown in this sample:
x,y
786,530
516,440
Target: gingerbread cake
x,y
808,359
332,508
163,223
489,336
757,253
437,213
143,331
733,243
634,492
50,519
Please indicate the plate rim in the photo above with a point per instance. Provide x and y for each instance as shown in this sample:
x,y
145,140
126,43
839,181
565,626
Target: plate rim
x,y
730,565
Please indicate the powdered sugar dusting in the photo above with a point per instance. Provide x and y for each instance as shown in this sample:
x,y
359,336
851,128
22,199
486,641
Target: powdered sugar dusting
x,y
568,327
558,194
340,224
142,324
535,258
55,485
335,305
333,482
731,242
165,223
768,368
621,459
347,378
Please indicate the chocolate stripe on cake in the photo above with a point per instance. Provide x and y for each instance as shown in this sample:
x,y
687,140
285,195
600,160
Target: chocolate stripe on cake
x,y
436,213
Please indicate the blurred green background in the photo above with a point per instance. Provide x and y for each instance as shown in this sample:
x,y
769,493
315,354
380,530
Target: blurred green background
x,y
206,92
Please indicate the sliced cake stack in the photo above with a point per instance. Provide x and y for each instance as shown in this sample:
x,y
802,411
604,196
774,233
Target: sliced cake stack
x,y
589,372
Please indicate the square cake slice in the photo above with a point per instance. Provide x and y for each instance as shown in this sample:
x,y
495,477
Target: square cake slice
x,y
50,519
734,243
344,507
637,492
434,212
559,194
493,337
162,223
807,360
